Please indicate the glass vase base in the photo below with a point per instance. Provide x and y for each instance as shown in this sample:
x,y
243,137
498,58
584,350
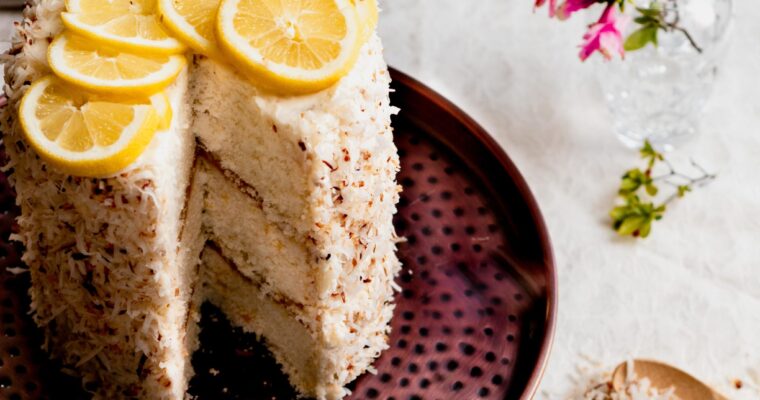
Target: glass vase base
x,y
668,141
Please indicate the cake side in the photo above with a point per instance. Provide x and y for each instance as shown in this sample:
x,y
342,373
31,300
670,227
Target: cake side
x,y
103,254
353,213
339,149
343,139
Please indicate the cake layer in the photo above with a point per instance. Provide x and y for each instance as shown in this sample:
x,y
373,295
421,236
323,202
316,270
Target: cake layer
x,y
316,368
234,218
242,300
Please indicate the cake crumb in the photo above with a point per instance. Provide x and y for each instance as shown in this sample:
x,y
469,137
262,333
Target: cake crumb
x,y
213,371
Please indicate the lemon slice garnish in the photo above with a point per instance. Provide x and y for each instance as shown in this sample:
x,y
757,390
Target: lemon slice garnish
x,y
368,15
84,134
82,62
163,106
125,24
193,21
291,46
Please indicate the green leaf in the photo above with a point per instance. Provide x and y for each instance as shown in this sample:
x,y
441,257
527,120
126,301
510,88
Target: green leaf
x,y
630,225
647,150
630,181
645,209
618,213
683,189
637,39
628,185
633,202
649,153
634,173
645,229
651,189
653,12
633,180
641,37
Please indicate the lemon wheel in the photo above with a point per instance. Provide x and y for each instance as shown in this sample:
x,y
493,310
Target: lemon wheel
x,y
163,106
131,25
193,21
294,46
83,134
368,16
84,63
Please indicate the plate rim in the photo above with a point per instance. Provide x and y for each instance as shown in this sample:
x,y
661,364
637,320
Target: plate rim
x,y
480,134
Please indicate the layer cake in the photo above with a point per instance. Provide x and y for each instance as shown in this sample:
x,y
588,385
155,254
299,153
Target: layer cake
x,y
291,197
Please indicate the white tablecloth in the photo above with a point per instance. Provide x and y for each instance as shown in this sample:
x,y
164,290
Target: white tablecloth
x,y
688,295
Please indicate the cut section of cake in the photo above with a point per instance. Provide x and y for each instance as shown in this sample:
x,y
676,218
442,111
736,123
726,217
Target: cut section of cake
x,y
292,197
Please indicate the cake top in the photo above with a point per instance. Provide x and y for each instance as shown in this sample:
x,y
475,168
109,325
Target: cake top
x,y
111,62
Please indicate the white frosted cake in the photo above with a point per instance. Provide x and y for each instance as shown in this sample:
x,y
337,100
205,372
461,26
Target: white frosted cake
x,y
276,208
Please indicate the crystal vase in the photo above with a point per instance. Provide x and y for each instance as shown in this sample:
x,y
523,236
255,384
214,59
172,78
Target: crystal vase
x,y
658,93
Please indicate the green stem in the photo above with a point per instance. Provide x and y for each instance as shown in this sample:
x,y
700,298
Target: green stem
x,y
673,26
688,37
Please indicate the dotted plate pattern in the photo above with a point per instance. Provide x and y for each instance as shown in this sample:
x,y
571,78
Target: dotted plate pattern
x,y
476,314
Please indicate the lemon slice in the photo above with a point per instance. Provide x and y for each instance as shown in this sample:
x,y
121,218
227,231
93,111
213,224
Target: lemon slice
x,y
291,47
163,106
192,21
368,16
82,62
124,24
82,134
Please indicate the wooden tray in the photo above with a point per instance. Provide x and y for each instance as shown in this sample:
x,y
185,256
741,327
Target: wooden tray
x,y
476,315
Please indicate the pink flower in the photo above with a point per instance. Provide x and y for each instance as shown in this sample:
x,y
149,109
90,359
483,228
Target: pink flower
x,y
570,6
552,6
605,35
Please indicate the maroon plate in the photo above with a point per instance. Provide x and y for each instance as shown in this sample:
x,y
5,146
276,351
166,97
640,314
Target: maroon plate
x,y
476,315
